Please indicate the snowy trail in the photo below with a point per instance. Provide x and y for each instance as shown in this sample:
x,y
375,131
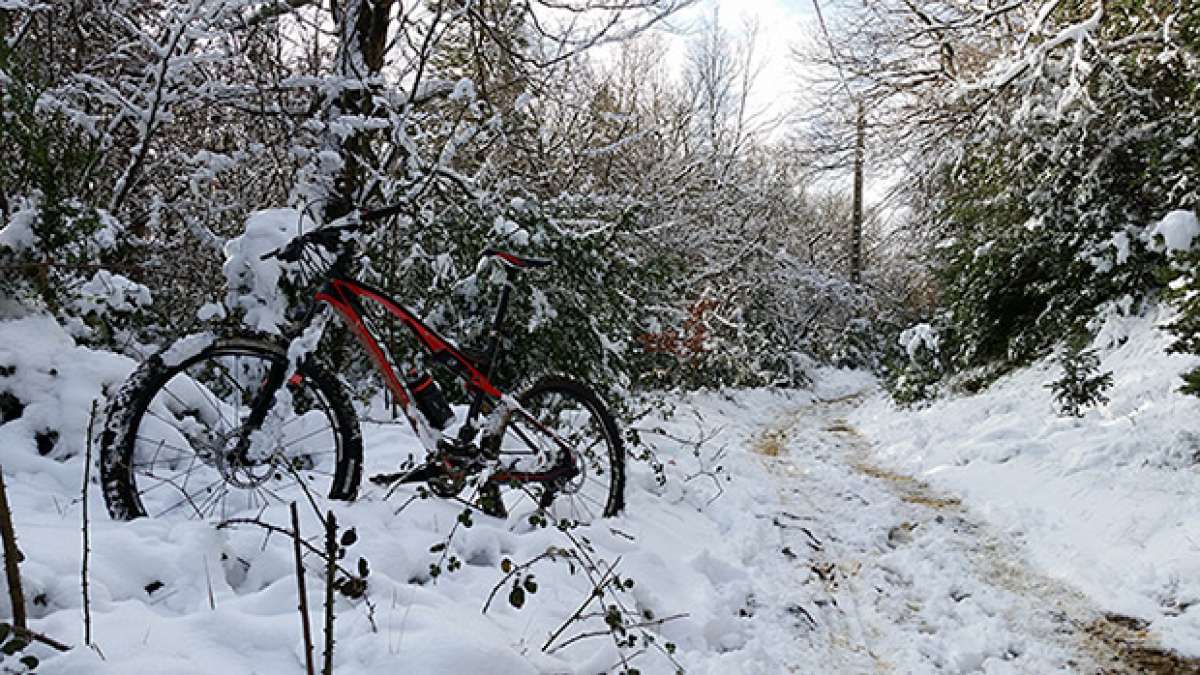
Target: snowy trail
x,y
905,580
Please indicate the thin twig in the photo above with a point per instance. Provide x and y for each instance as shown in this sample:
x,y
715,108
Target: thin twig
x,y
309,666
33,635
277,530
551,552
12,556
83,573
600,633
330,576
597,591
212,600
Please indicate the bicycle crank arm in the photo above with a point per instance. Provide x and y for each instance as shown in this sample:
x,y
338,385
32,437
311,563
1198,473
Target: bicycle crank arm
x,y
421,474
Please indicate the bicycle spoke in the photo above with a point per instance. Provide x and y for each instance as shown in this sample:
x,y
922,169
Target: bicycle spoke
x,y
225,371
215,498
186,473
268,492
583,496
163,444
318,472
309,435
188,499
159,445
205,394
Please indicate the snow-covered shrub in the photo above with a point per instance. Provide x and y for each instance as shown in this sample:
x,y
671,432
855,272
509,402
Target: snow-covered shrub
x,y
1051,205
1083,384
57,253
914,378
1184,289
60,252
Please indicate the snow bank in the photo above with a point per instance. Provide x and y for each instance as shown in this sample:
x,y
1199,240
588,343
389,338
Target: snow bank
x,y
51,382
1107,503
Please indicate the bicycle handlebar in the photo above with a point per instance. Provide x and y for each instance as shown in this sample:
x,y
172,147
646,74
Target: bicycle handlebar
x,y
330,236
326,237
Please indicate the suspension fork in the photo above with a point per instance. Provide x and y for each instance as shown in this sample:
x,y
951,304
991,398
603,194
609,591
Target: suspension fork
x,y
312,326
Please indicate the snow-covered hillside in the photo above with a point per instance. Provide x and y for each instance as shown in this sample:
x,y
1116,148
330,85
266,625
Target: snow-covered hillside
x,y
1108,503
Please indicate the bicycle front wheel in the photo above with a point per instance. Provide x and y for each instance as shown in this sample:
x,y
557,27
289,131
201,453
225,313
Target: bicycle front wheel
x,y
178,440
561,415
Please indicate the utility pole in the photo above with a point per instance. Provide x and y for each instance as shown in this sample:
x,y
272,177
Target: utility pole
x,y
856,227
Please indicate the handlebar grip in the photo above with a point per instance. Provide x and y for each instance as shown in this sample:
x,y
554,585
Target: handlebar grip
x,y
289,252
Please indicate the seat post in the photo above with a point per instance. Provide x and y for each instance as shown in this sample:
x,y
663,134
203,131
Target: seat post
x,y
468,430
493,350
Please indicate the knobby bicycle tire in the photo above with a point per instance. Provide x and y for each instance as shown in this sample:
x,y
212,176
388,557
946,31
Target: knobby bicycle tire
x,y
603,459
128,416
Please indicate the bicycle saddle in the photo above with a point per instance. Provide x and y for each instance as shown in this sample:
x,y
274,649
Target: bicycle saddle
x,y
517,262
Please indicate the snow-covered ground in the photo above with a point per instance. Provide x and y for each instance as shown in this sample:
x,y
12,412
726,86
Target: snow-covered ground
x,y
840,535
183,597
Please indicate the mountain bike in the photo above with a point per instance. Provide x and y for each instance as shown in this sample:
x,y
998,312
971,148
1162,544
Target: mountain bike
x,y
218,424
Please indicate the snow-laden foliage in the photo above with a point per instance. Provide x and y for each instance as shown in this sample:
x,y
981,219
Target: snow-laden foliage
x,y
1047,143
1079,157
1081,154
159,129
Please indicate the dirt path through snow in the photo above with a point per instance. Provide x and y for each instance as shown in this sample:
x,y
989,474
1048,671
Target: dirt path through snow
x,y
905,580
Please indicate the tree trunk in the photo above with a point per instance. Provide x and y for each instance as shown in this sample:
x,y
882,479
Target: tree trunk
x,y
363,32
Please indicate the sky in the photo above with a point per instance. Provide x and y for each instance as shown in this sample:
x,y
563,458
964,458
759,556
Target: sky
x,y
778,89
782,24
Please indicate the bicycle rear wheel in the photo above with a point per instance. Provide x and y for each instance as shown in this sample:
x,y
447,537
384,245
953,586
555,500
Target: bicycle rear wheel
x,y
562,410
177,441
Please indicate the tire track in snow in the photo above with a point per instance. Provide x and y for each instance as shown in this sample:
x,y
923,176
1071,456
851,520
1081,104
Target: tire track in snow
x,y
904,580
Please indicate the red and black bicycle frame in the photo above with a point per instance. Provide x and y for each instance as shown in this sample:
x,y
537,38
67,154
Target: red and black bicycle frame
x,y
345,296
